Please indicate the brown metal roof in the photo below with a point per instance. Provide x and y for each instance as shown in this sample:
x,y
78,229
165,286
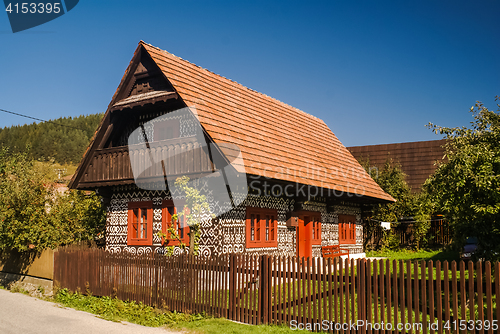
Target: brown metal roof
x,y
417,159
276,140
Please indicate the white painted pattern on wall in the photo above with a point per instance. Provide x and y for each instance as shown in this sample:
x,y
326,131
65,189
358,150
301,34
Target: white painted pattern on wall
x,y
226,234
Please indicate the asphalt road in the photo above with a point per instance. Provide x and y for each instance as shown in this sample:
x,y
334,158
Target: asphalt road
x,y
21,314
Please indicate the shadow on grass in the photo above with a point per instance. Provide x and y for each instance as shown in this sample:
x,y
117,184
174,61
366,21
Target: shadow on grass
x,y
445,255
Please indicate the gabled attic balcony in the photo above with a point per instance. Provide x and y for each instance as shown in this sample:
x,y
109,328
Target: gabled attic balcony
x,y
180,156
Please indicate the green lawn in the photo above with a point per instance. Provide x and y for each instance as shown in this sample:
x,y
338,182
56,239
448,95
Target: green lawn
x,y
117,310
423,254
216,326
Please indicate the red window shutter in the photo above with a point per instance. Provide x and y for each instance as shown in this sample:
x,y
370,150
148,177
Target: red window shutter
x,y
252,227
140,224
347,229
261,228
316,221
257,228
168,210
273,229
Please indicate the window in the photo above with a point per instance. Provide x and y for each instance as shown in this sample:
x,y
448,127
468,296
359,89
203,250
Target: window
x,y
261,228
316,230
347,229
166,129
168,210
140,223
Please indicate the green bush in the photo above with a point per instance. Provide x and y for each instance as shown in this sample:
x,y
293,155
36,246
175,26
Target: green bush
x,y
33,216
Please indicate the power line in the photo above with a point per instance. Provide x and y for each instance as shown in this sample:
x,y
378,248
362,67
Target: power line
x,y
41,120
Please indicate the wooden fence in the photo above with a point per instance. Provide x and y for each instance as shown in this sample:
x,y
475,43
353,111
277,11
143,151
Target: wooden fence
x,y
339,296
439,234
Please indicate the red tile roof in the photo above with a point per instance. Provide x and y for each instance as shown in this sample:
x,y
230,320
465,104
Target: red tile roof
x,y
276,140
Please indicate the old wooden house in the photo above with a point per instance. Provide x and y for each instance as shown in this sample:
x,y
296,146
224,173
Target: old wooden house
x,y
303,189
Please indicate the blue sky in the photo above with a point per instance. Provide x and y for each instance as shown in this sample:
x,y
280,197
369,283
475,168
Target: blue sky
x,y
375,71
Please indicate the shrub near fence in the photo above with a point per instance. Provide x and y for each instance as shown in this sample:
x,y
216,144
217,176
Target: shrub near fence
x,y
341,296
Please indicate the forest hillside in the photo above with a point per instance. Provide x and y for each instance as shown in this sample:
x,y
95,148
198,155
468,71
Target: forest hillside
x,y
62,140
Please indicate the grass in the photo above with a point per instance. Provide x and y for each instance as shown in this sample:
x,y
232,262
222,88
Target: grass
x,y
321,306
345,309
49,169
216,326
423,254
117,310
18,288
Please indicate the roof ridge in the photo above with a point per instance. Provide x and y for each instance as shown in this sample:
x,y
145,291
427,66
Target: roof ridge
x,y
233,81
405,142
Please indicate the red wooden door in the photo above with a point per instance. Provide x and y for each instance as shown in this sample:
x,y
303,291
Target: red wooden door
x,y
304,236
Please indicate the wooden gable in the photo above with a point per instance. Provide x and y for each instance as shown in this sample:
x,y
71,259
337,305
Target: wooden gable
x,y
144,94
145,77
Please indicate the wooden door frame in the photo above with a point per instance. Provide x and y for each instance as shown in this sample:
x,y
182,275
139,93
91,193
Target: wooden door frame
x,y
309,244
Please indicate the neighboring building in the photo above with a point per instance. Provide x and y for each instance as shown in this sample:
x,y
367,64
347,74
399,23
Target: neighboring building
x,y
304,189
417,159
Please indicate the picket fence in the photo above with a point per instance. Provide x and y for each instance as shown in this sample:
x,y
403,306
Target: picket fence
x,y
329,295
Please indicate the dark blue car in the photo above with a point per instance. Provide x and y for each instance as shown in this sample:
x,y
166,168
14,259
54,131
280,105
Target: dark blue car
x,y
469,249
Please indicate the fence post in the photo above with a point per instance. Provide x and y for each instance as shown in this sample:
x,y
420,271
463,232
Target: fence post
x,y
156,280
55,275
263,311
232,286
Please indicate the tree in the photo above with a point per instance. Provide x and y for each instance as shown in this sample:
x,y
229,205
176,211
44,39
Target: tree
x,y
22,202
467,187
195,208
64,139
391,179
78,216
34,216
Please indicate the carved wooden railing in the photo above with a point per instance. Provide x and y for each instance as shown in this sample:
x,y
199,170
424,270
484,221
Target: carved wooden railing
x,y
180,156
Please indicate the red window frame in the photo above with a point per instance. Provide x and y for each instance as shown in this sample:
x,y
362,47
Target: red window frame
x,y
168,209
347,229
140,233
261,228
316,230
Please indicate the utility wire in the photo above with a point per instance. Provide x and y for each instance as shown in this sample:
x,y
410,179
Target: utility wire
x,y
41,120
